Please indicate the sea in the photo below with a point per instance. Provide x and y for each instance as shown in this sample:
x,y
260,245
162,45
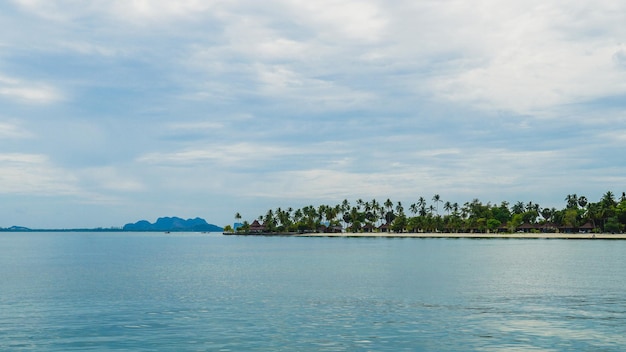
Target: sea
x,y
67,291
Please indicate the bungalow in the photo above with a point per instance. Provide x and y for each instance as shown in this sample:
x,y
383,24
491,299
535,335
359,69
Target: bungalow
x,y
526,227
548,227
368,228
335,229
586,228
384,227
329,229
256,227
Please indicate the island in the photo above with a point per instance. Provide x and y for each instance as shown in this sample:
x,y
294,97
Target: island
x,y
163,224
580,218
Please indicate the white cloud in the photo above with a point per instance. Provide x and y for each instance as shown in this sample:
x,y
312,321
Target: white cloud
x,y
136,11
194,125
533,81
333,98
280,82
342,19
33,174
620,57
242,153
109,178
11,130
527,59
155,11
87,48
28,92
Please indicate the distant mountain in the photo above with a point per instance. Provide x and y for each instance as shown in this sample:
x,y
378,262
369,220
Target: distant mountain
x,y
16,228
173,224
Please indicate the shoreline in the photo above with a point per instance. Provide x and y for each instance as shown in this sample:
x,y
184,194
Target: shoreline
x,y
564,236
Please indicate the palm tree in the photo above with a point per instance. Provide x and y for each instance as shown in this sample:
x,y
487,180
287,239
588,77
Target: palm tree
x,y
437,199
582,201
608,199
345,205
421,202
399,208
388,204
517,208
572,200
269,221
447,207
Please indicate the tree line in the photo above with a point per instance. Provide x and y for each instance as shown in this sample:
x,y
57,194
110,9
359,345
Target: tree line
x,y
607,215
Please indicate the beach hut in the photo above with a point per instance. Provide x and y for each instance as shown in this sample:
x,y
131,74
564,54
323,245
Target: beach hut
x,y
334,229
256,227
526,227
368,228
549,227
586,228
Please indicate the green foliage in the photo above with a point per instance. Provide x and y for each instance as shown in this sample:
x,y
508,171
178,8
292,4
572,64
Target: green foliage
x,y
612,225
515,222
399,223
606,215
620,212
570,218
493,224
245,227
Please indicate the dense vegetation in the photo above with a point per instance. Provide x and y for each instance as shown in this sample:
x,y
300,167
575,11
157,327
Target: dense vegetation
x,y
579,214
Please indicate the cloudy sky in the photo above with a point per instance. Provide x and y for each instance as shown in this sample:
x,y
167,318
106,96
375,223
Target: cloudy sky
x,y
113,111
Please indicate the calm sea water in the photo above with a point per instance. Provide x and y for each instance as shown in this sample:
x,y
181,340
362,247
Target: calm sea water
x,y
198,292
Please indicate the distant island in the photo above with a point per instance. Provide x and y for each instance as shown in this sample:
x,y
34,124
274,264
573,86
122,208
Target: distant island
x,y
165,224
173,224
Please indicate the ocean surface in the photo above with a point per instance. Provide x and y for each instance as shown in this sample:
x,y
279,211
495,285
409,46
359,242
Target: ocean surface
x,y
208,292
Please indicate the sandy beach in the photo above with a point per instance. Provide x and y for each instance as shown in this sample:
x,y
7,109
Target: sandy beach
x,y
579,236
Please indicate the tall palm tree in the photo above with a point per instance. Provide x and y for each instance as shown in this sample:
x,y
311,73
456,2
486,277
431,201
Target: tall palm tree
x,y
455,208
421,202
437,199
345,205
399,208
447,207
238,220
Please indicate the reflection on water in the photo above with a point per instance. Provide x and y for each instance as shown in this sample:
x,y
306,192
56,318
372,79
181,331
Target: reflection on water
x,y
146,292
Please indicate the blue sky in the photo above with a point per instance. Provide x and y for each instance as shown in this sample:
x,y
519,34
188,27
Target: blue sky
x,y
114,111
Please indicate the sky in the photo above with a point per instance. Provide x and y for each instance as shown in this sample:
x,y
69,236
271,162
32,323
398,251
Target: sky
x,y
112,111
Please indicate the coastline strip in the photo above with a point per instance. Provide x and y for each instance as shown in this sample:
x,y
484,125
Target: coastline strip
x,y
565,236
